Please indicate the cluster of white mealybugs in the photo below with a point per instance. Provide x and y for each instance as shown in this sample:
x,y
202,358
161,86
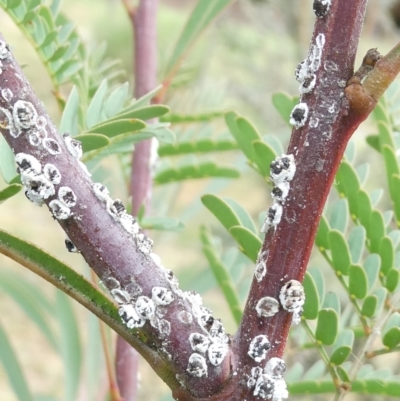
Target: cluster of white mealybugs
x,y
292,299
40,184
117,211
136,309
268,382
305,74
282,172
211,344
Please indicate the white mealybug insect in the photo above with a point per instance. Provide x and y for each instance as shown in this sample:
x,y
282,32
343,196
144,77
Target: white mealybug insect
x,y
52,173
41,122
292,296
59,210
52,146
217,352
4,50
299,114
7,94
217,331
281,191
315,55
197,366
264,387
67,196
24,114
282,169
133,288
74,146
185,317
27,164
273,217
39,186
162,296
130,317
259,347
7,122
129,224
121,297
260,270
308,84
280,390
111,283
35,137
145,307
255,374
164,327
199,342
301,71
320,40
101,192
144,243
267,307
275,367
70,246
321,7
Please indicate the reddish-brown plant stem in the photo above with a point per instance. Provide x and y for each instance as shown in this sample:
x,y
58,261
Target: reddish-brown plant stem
x,y
106,246
144,23
317,150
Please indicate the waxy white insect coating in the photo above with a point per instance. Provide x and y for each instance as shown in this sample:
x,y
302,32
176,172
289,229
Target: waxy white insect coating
x,y
264,387
122,297
52,173
199,342
267,307
162,296
292,296
273,217
7,122
71,246
101,192
260,270
67,196
27,164
308,84
145,307
59,210
52,146
301,71
217,352
321,7
197,366
7,94
299,115
4,50
282,169
24,114
74,146
259,347
280,191
130,317
275,367
185,317
144,243
39,186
